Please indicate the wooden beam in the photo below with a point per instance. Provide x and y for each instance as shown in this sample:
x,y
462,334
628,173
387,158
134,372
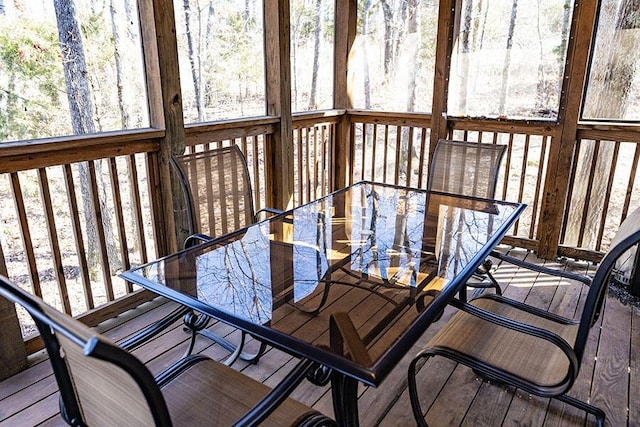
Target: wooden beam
x,y
158,27
13,357
346,19
444,49
279,147
563,143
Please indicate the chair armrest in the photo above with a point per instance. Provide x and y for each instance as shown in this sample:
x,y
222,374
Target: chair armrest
x,y
196,239
267,211
342,332
154,329
540,269
278,394
555,339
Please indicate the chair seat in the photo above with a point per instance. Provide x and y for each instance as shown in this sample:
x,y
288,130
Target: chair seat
x,y
212,394
530,358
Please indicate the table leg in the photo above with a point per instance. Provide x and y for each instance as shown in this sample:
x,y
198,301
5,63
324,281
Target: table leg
x,y
344,391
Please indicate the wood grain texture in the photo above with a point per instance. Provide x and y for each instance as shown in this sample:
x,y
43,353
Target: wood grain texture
x,y
563,142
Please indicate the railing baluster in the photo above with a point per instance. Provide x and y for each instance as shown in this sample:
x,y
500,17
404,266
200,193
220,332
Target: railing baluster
x,y
587,196
607,197
54,243
102,241
386,151
423,150
25,233
534,207
632,176
409,155
117,208
373,152
77,236
136,207
397,162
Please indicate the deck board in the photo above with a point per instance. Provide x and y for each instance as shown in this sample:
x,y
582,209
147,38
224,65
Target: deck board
x,y
451,394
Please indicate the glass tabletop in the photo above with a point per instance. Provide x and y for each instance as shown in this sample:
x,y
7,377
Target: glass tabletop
x,y
389,257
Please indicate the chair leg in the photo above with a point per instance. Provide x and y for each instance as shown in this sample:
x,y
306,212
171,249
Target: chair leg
x,y
413,393
590,409
494,283
196,325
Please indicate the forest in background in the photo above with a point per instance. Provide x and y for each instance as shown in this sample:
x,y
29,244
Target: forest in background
x,y
508,61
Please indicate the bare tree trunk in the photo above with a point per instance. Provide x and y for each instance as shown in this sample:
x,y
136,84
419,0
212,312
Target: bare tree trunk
x,y
564,36
411,44
131,20
610,83
193,61
541,86
506,68
388,37
316,57
207,54
413,39
463,79
365,60
80,106
11,106
124,114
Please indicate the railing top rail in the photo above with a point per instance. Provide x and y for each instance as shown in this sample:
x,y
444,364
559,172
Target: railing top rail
x,y
33,154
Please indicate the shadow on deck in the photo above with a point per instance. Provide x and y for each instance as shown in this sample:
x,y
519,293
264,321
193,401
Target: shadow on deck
x,y
453,394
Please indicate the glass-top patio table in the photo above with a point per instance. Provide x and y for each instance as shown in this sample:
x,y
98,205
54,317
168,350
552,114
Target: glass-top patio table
x,y
349,281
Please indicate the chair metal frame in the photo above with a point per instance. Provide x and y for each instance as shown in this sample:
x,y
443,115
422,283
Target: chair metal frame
x,y
573,351
479,153
93,345
197,323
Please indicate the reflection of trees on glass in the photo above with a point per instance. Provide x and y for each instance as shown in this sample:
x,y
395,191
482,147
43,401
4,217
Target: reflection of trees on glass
x,y
387,242
311,234
463,233
237,276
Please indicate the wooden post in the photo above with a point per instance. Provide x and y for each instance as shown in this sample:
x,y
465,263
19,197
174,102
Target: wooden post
x,y
563,143
279,147
13,357
345,33
160,49
444,48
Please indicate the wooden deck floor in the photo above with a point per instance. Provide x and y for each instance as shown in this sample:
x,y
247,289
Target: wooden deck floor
x,y
452,394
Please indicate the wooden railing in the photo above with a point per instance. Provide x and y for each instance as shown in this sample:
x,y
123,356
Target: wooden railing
x,y
521,177
45,239
74,214
394,148
314,136
604,185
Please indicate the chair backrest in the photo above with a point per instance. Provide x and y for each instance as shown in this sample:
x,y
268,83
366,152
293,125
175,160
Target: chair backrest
x,y
100,383
466,168
628,235
217,187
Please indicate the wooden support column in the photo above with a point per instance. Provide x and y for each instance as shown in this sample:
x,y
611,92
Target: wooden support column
x,y
346,19
13,357
444,49
561,149
279,147
158,28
